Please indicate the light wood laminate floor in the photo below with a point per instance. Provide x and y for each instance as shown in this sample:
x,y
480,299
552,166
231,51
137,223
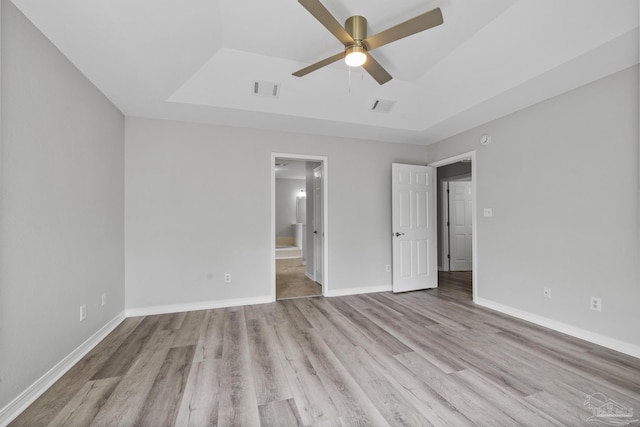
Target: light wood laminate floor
x,y
419,358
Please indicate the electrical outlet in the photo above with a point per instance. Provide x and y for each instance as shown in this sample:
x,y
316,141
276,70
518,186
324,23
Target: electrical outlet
x,y
388,268
547,292
103,299
83,312
596,304
227,278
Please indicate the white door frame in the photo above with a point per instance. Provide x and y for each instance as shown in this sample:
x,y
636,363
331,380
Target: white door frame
x,y
325,216
318,238
474,224
442,223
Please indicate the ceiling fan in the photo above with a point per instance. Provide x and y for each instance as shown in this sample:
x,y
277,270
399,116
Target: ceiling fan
x,y
356,43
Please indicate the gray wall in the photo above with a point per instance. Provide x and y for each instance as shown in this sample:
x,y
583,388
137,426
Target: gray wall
x,y
186,225
286,192
562,179
61,217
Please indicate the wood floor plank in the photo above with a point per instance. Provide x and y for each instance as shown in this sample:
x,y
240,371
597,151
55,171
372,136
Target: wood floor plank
x,y
47,406
574,365
520,410
563,380
128,398
84,406
467,401
419,339
423,303
370,329
419,358
311,397
438,410
294,315
350,400
126,354
280,413
268,374
562,412
171,321
238,404
162,403
388,304
499,366
396,403
390,401
288,335
191,329
264,312
209,345
321,312
201,398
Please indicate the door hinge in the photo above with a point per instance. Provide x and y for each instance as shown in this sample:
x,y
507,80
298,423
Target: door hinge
x,y
447,223
448,256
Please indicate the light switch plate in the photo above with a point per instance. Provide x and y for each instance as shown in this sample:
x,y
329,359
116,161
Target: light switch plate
x,y
488,212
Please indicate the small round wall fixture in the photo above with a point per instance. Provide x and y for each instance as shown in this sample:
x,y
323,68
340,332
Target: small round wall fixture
x,y
485,139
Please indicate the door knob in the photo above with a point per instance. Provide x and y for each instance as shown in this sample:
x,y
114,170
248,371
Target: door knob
x,y
315,231
399,234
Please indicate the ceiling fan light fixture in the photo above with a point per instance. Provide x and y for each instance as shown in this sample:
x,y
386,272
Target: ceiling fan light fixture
x,y
355,56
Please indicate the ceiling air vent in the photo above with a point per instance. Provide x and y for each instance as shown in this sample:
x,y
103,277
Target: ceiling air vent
x,y
266,89
382,105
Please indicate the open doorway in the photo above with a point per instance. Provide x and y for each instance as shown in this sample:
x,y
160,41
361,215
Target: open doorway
x,y
299,226
457,241
455,217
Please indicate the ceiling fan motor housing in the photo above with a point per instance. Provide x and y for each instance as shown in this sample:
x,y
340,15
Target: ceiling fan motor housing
x,y
356,26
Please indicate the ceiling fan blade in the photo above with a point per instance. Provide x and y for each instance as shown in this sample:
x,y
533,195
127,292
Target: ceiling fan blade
x,y
326,18
374,68
415,25
319,64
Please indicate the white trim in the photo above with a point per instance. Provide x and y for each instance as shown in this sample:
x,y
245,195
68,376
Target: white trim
x,y
592,337
358,291
444,185
325,216
474,213
195,306
42,384
309,276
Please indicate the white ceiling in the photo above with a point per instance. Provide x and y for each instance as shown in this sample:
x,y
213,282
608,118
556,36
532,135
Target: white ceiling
x,y
196,60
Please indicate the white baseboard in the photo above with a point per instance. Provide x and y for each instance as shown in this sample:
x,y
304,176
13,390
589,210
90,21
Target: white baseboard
x,y
35,390
207,305
356,291
605,341
309,276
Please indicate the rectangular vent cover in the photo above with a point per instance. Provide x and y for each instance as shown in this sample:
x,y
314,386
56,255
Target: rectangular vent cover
x,y
266,89
382,105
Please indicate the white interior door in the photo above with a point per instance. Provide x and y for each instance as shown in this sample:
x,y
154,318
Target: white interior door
x,y
318,232
415,260
460,234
